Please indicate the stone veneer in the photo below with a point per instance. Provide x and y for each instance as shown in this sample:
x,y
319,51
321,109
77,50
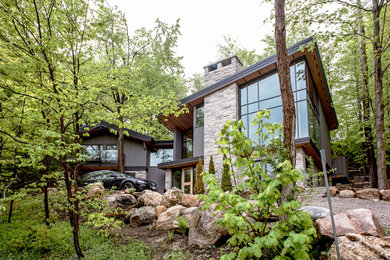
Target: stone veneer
x,y
222,70
168,179
218,108
138,174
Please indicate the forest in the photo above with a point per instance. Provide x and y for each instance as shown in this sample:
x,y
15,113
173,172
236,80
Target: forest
x,y
69,64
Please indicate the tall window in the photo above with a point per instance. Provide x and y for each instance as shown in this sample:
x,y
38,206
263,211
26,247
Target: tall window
x,y
161,156
264,93
187,144
101,153
199,115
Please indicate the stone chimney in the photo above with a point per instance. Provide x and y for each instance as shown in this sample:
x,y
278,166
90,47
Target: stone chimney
x,y
221,69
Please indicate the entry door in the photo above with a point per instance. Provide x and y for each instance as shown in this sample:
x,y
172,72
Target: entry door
x,y
187,177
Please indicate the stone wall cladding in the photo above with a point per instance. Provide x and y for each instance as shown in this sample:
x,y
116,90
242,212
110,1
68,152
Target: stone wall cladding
x,y
218,108
168,179
138,174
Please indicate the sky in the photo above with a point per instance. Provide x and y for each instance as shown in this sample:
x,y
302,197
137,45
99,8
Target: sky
x,y
203,23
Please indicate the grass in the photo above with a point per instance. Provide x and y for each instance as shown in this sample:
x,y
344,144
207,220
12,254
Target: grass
x,y
27,237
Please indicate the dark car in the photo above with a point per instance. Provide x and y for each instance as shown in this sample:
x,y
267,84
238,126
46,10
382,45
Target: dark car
x,y
117,180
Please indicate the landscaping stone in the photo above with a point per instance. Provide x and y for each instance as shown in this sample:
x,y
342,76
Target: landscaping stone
x,y
160,210
119,203
127,216
149,198
347,194
332,191
172,197
316,212
126,199
385,195
142,216
190,200
358,247
168,219
203,232
188,213
94,189
368,194
358,221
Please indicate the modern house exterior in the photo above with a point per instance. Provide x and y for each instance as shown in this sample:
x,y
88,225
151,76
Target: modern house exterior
x,y
234,93
141,152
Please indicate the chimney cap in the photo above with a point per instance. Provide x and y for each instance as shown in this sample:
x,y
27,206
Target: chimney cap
x,y
224,59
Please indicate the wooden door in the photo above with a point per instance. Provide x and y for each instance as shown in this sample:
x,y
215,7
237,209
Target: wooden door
x,y
187,177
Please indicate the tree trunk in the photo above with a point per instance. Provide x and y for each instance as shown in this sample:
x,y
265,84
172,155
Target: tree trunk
x,y
11,205
379,106
121,150
284,81
46,203
368,144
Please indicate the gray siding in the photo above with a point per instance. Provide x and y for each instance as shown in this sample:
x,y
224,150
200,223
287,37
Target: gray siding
x,y
135,153
107,139
198,141
325,136
158,176
177,144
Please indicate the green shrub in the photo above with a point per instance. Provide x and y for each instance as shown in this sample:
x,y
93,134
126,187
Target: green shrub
x,y
211,165
199,186
226,181
183,224
255,232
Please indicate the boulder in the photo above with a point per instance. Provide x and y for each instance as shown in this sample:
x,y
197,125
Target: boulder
x,y
142,216
149,198
127,216
332,192
358,247
203,231
368,194
172,197
190,200
358,221
119,203
188,213
385,195
347,194
94,189
168,219
316,212
160,210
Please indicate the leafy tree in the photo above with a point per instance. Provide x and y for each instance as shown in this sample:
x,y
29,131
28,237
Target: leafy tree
x,y
226,181
196,82
248,220
140,75
231,47
211,166
199,186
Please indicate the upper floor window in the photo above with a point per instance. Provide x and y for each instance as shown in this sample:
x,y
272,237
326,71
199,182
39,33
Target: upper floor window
x,y
199,115
264,93
187,144
101,153
161,156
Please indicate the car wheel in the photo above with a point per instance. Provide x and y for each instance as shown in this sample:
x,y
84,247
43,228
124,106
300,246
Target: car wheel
x,y
127,185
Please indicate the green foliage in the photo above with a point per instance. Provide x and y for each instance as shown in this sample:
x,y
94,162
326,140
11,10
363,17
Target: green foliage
x,y
199,186
27,237
105,225
261,226
211,166
226,181
178,254
170,235
183,224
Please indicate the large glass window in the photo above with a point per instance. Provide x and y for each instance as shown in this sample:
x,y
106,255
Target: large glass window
x,y
161,156
101,153
199,115
265,94
187,144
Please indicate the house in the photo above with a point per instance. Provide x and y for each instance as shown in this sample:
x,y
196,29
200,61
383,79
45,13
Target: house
x,y
141,152
234,93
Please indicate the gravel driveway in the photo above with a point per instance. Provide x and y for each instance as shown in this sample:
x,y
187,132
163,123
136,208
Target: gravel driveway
x,y
381,209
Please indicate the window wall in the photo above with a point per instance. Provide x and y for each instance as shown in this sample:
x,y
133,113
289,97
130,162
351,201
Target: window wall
x,y
161,156
199,115
101,153
264,93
